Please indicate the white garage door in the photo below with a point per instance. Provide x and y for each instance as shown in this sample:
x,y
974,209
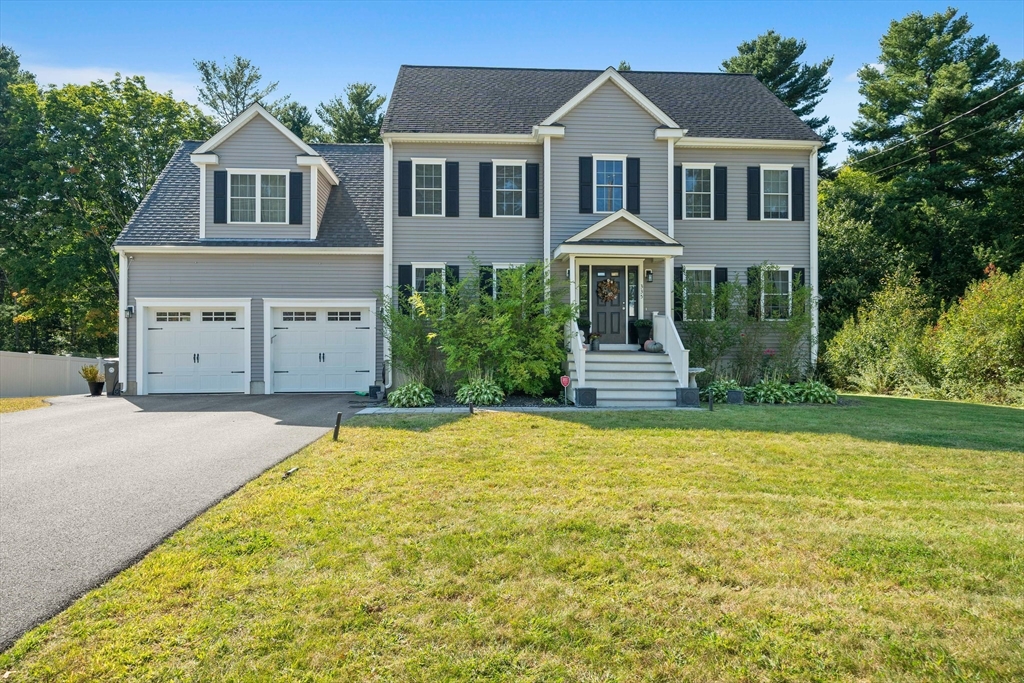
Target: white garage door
x,y
322,349
195,350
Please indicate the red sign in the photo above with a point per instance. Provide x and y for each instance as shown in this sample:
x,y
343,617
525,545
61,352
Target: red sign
x,y
565,381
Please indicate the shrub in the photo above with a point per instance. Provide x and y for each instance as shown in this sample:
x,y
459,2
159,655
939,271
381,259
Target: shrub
x,y
411,395
90,373
481,392
771,390
550,401
813,391
719,389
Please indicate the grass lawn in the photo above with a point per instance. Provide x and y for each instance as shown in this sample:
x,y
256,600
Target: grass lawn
x,y
878,541
13,405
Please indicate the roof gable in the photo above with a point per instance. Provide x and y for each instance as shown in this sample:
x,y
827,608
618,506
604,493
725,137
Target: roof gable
x,y
622,225
612,76
245,117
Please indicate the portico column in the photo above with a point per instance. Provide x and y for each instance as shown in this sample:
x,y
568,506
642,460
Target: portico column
x,y
669,274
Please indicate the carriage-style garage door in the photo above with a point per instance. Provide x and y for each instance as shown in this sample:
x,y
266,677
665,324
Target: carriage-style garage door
x,y
322,348
195,350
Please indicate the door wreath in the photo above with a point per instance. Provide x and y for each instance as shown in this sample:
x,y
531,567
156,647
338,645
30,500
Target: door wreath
x,y
607,290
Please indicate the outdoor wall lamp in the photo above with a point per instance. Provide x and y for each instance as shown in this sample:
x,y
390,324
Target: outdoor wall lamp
x,y
649,275
129,312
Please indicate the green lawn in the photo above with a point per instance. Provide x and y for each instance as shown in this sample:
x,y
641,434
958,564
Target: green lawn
x,y
882,540
13,405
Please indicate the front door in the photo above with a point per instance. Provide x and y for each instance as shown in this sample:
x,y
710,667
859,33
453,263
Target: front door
x,y
608,294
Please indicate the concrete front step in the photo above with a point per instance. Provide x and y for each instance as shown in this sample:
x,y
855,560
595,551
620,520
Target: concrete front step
x,y
629,378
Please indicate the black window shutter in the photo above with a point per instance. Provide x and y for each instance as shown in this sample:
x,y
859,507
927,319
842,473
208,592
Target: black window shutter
x,y
586,184
295,198
487,280
486,187
220,196
677,314
798,194
404,188
753,193
800,278
677,189
721,276
721,192
533,190
633,185
404,286
754,291
452,274
451,189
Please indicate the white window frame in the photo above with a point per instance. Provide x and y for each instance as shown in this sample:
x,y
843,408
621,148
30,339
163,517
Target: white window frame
x,y
789,189
259,173
710,167
429,162
786,269
700,266
423,265
495,163
495,267
625,180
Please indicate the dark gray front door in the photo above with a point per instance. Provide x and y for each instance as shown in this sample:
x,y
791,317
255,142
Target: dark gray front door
x,y
608,297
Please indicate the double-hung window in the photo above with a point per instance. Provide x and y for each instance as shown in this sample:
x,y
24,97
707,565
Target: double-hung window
x,y
428,277
509,178
776,293
775,192
501,275
428,187
258,197
698,188
609,183
698,293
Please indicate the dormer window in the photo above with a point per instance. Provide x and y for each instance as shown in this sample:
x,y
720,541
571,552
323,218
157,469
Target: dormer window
x,y
258,197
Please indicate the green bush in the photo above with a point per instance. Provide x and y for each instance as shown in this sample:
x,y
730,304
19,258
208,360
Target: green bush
x,y
411,395
719,389
90,373
813,391
550,401
771,390
480,392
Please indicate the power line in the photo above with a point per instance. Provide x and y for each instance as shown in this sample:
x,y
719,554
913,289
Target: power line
x,y
936,149
941,125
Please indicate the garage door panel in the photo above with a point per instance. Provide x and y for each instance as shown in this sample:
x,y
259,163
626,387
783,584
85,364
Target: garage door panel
x,y
322,350
193,350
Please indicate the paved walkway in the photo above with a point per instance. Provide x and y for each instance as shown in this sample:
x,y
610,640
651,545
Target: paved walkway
x,y
89,485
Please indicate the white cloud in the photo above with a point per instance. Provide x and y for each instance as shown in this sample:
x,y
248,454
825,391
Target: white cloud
x,y
182,85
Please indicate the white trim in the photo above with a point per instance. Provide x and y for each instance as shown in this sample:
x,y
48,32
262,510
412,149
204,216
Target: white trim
x,y
202,201
813,221
669,133
122,322
671,190
625,215
655,251
172,249
259,173
610,74
547,216
699,166
422,161
705,267
625,182
244,118
773,268
318,162
578,261
494,138
314,209
268,328
750,143
387,251
549,131
141,304
788,168
203,159
521,163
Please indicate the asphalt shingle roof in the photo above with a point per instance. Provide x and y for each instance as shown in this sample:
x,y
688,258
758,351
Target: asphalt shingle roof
x,y
353,217
441,99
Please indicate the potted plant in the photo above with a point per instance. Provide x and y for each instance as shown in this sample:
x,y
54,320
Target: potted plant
x,y
91,374
584,325
643,330
595,342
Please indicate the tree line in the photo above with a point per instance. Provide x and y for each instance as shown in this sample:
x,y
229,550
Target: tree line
x,y
932,188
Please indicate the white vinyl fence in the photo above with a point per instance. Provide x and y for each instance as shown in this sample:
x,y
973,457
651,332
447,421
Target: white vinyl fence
x,y
34,374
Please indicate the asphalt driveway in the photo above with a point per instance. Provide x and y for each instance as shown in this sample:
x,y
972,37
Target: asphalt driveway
x,y
89,485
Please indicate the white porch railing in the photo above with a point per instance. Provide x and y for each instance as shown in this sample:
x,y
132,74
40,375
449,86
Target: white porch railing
x,y
578,353
667,335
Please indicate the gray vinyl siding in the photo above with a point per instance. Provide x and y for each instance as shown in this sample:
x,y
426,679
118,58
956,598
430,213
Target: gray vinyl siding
x,y
323,191
737,243
455,240
253,276
622,230
607,122
257,145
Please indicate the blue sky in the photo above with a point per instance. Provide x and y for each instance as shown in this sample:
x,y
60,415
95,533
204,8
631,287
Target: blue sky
x,y
315,48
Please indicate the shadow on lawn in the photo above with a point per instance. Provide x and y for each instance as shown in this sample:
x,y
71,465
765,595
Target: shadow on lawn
x,y
872,418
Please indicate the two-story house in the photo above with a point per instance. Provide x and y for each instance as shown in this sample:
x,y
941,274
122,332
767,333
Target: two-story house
x,y
257,261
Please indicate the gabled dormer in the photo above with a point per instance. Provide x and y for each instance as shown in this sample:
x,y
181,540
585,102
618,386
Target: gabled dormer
x,y
258,180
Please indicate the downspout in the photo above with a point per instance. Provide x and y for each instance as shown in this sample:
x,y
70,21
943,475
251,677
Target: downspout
x,y
670,262
813,216
547,215
388,241
123,261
